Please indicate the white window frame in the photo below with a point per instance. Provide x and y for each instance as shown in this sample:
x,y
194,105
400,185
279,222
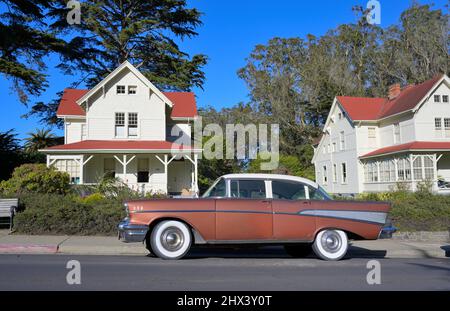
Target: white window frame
x,y
342,140
394,127
324,175
120,86
370,138
124,125
130,88
344,181
334,173
128,125
438,97
446,97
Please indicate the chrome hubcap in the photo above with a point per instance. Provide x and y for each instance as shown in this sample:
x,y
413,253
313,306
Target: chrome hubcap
x,y
172,239
331,241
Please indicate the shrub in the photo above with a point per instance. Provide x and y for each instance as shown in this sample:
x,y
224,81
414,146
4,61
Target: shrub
x,y
68,215
415,211
36,178
93,198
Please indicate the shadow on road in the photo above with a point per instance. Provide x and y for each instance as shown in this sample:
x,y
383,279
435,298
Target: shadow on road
x,y
446,249
270,252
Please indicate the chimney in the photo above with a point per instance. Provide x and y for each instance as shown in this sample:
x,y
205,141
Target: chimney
x,y
394,91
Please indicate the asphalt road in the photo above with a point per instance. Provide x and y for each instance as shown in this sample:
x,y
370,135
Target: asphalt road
x,y
264,269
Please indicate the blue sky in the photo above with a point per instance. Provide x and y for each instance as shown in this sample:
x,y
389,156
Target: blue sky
x,y
230,31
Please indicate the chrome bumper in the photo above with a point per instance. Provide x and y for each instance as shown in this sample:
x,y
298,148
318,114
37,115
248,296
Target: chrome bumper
x,y
130,232
387,232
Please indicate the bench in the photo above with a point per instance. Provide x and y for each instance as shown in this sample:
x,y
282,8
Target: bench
x,y
8,208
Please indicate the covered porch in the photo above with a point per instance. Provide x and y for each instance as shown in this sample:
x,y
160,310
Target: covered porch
x,y
151,170
408,171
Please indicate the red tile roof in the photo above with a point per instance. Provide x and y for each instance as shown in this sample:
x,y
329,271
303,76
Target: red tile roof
x,y
411,146
150,145
362,108
367,108
184,105
68,106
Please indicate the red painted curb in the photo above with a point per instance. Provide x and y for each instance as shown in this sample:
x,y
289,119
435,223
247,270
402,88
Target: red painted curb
x,y
28,248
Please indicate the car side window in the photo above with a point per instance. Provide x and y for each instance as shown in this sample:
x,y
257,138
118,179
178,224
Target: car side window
x,y
288,190
246,188
318,194
218,190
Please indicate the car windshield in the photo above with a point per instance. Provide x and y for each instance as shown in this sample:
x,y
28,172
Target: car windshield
x,y
218,189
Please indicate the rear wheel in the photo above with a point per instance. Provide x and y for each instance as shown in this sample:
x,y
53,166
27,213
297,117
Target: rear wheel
x,y
298,250
170,239
330,244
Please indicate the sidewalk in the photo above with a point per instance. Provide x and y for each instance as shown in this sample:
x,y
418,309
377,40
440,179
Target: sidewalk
x,y
97,245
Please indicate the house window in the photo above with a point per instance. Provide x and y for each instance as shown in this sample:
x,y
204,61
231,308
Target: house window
x,y
143,171
372,136
396,133
391,170
325,176
344,173
132,124
120,89
401,169
417,168
83,132
132,89
329,148
340,116
437,98
445,98
334,173
71,167
342,139
428,168
334,147
120,124
438,127
109,168
447,127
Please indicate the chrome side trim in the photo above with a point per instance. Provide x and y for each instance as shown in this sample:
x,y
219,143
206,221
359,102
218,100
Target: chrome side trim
x,y
366,216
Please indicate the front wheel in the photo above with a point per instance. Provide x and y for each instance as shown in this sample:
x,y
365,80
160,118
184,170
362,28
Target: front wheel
x,y
170,239
331,244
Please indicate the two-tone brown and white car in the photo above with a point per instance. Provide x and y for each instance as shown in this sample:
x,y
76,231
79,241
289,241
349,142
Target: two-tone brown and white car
x,y
255,209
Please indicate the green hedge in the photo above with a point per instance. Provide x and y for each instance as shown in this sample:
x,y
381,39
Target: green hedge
x,y
419,211
71,215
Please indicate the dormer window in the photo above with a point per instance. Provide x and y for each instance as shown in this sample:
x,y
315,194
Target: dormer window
x,y
132,89
120,89
437,98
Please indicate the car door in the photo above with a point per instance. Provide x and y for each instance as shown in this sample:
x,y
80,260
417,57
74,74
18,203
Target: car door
x,y
246,214
289,198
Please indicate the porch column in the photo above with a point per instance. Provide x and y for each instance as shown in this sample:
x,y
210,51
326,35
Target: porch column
x,y
195,162
83,162
411,167
166,163
125,161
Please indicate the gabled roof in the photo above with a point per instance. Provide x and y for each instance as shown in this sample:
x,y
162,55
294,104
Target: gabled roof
x,y
118,145
183,104
371,109
411,146
128,65
68,105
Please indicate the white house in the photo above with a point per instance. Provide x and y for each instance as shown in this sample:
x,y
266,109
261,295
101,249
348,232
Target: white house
x,y
127,128
375,144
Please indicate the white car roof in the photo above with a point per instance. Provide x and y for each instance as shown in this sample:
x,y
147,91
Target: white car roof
x,y
272,176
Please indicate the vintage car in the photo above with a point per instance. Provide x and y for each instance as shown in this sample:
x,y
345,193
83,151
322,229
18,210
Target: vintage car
x,y
255,209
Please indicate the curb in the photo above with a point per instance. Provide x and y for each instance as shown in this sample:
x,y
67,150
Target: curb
x,y
28,249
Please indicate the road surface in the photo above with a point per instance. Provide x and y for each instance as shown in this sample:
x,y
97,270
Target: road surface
x,y
264,269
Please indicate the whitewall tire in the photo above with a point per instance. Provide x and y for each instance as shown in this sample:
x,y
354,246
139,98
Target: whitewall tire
x,y
170,239
331,244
